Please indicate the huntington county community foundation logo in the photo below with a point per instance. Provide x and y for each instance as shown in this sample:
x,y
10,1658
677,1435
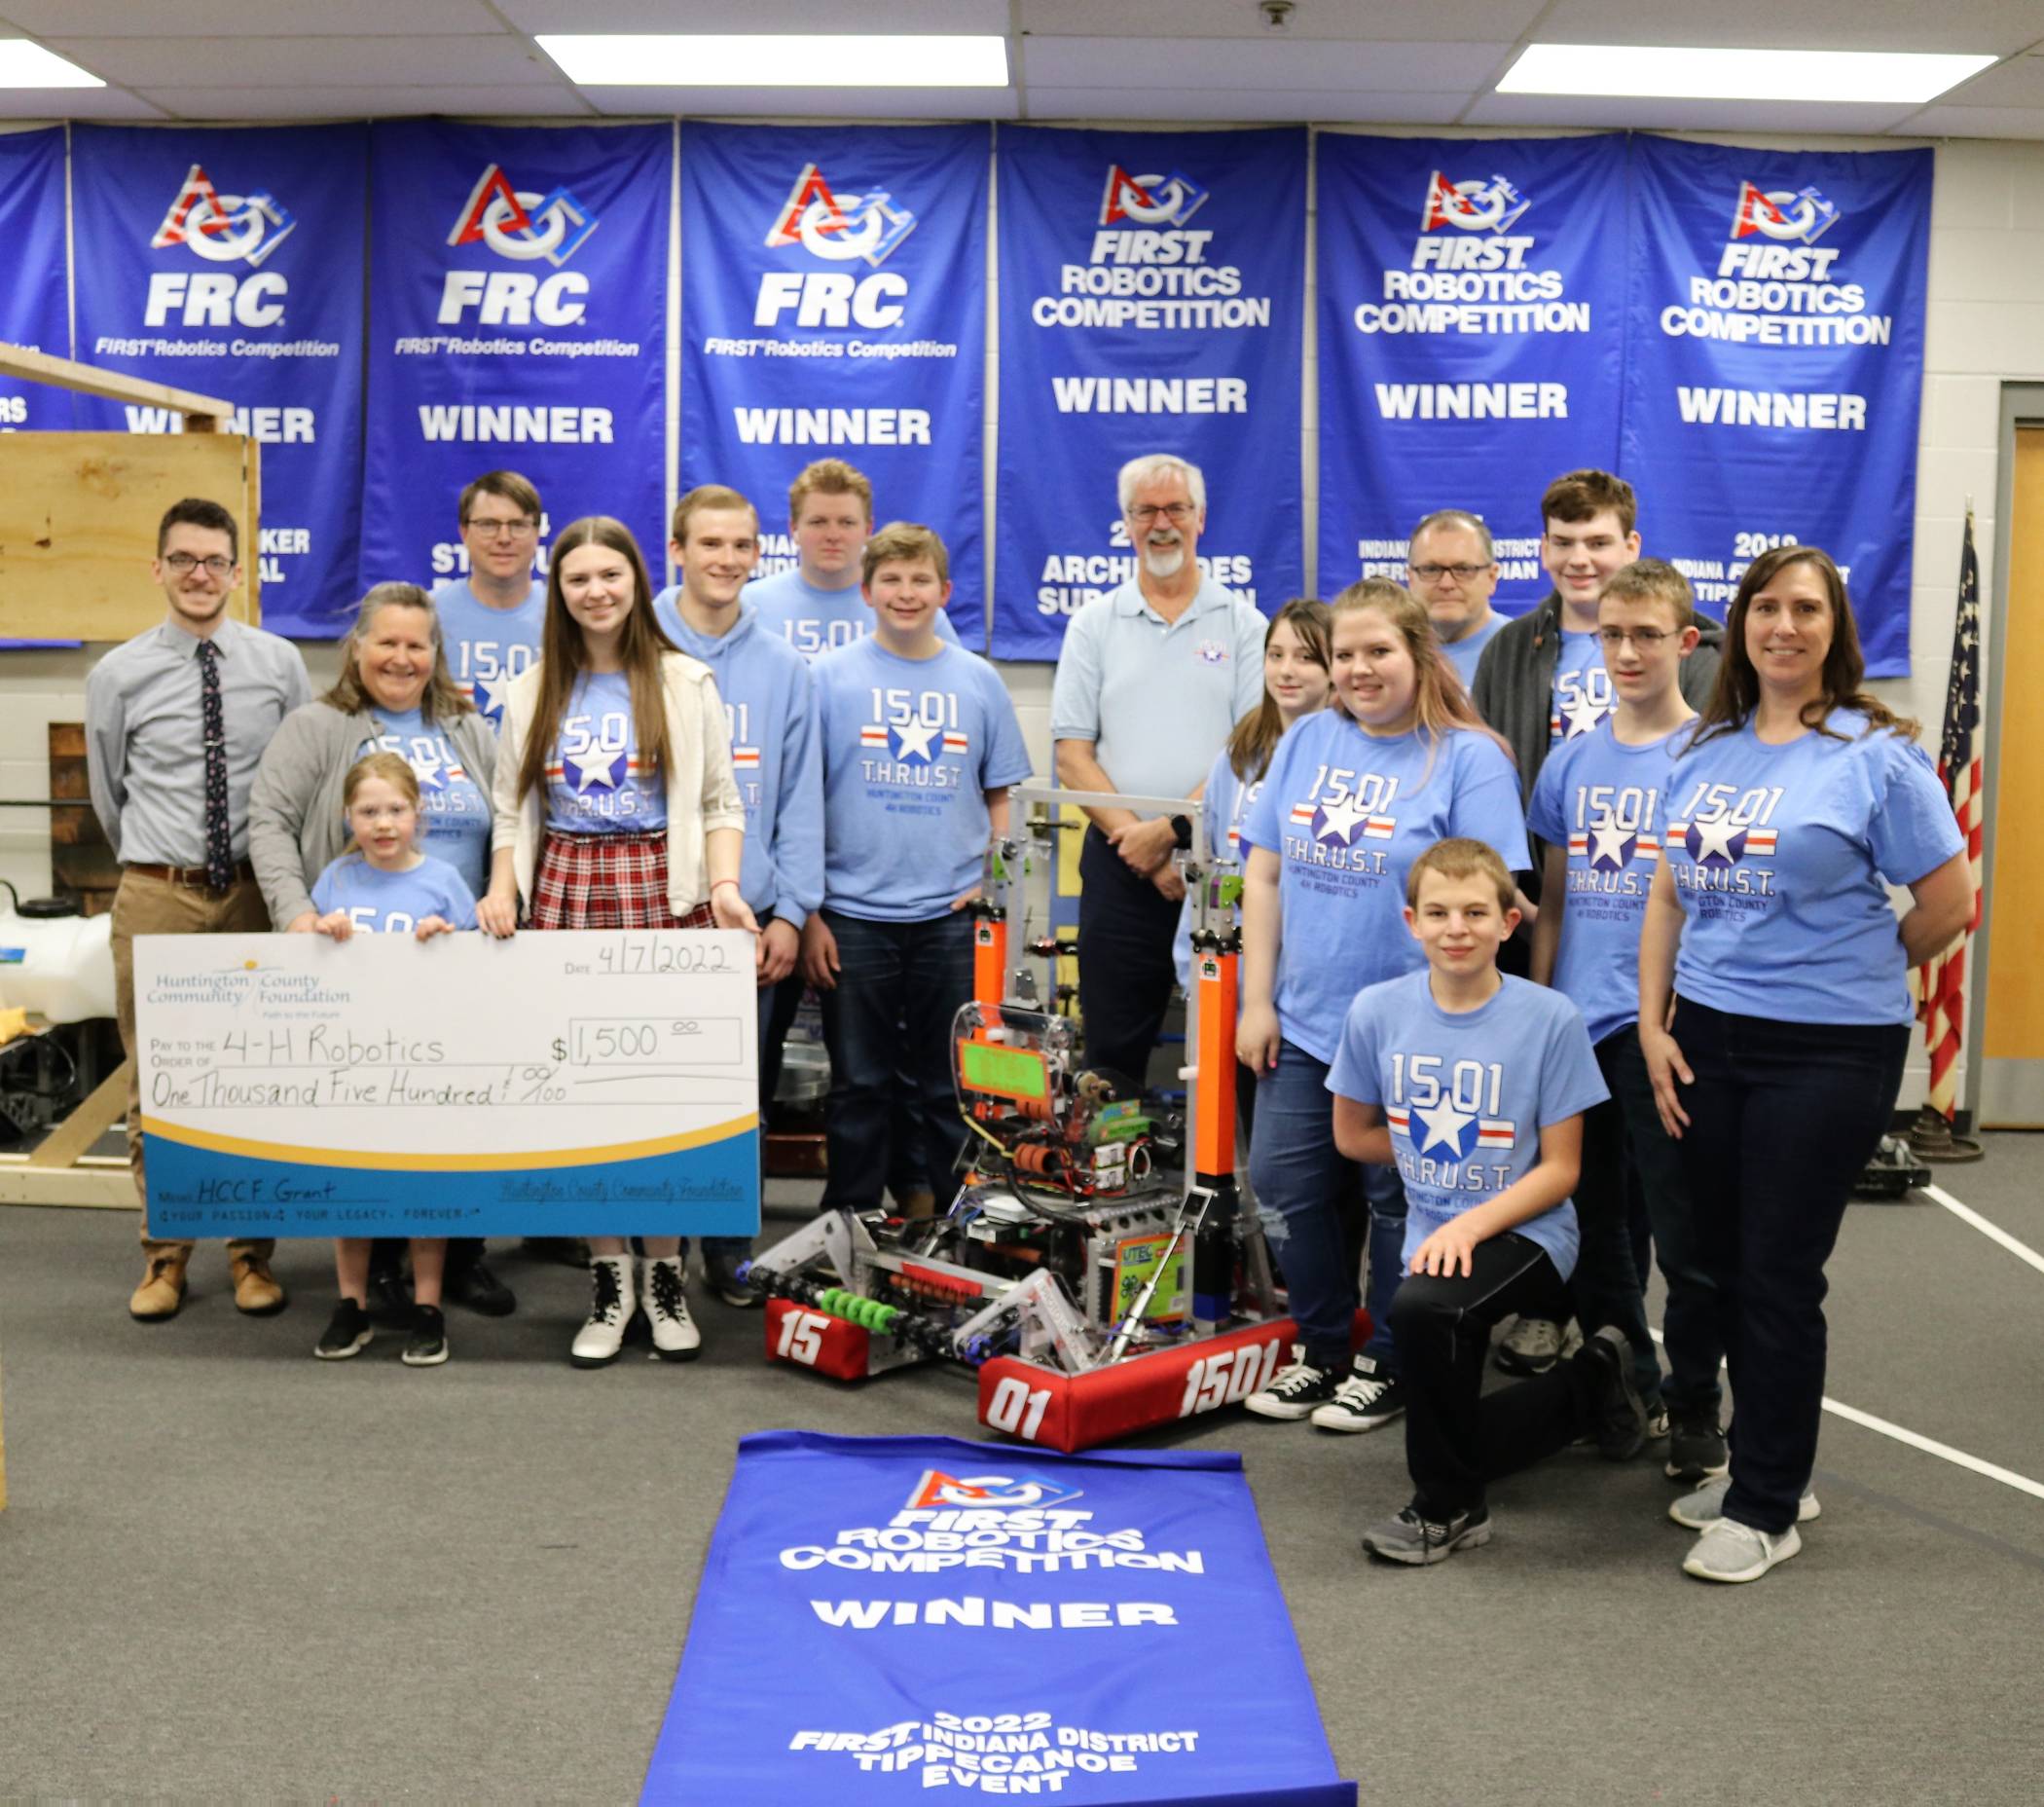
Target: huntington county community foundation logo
x,y
1150,199
994,1492
1472,207
841,228
523,224
1804,215
223,229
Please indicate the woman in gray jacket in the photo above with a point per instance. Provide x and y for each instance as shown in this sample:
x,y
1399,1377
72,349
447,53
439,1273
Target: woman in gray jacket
x,y
393,695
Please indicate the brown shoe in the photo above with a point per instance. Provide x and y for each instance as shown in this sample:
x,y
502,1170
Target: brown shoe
x,y
162,1288
256,1291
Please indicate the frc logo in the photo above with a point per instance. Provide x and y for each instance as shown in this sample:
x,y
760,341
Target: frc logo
x,y
222,229
1473,205
842,229
521,223
1150,199
994,1492
1775,213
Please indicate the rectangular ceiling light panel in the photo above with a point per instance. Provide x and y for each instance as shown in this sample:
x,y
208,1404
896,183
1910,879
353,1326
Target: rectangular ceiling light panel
x,y
793,60
23,65
1646,72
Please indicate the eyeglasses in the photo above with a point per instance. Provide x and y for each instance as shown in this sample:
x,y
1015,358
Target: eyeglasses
x,y
1145,512
1433,574
501,529
1646,639
183,563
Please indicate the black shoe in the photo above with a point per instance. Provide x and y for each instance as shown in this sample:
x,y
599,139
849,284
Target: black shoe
x,y
1295,1391
1697,1451
721,1274
348,1332
390,1292
1619,1416
480,1290
428,1348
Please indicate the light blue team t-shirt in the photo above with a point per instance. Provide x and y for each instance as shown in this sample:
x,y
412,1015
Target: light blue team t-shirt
x,y
596,783
1227,801
487,648
1467,1094
910,748
394,903
1777,854
456,814
1464,653
1583,695
816,621
1347,813
1606,803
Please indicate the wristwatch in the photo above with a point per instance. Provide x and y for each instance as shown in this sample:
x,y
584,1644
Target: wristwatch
x,y
1182,829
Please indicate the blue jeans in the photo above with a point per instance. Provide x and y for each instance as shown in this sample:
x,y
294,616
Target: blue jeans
x,y
899,986
1300,1176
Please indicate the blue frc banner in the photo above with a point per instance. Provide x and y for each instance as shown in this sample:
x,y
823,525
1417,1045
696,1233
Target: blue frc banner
x,y
833,305
1151,300
1775,365
517,321
881,1617
34,304
1472,322
229,262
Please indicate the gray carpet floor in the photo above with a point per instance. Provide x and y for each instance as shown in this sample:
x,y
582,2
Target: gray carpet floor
x,y
229,1571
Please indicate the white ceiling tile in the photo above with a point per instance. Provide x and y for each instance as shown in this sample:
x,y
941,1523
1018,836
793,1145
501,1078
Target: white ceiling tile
x,y
235,19
2017,83
791,15
1338,21
1210,106
496,61
2000,27
1800,118
800,103
76,102
382,100
1159,64
1951,122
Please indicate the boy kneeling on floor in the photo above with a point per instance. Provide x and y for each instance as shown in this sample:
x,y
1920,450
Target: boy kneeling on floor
x,y
1474,1085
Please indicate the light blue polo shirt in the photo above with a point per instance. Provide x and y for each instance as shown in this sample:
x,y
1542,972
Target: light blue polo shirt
x,y
1158,698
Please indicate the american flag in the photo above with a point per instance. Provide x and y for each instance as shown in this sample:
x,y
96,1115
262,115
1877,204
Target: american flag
x,y
1943,977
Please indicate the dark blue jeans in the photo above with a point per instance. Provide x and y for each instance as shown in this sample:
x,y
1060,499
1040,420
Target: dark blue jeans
x,y
1126,927
1782,1118
1301,1177
899,986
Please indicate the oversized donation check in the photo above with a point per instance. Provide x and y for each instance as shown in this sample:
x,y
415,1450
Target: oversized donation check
x,y
566,1084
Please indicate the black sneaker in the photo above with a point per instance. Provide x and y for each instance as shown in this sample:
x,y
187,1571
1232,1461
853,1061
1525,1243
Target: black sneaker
x,y
1619,1416
1696,1449
348,1332
1364,1400
480,1290
390,1292
428,1348
1414,1540
1294,1391
720,1273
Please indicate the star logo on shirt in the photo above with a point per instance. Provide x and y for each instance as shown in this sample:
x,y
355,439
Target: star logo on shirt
x,y
1711,842
912,741
1580,714
489,699
1610,848
1338,822
1444,1126
598,771
432,774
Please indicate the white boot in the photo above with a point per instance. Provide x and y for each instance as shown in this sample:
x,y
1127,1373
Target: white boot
x,y
675,1337
611,1302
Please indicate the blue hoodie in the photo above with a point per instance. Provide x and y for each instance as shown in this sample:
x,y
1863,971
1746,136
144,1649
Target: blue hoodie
x,y
776,758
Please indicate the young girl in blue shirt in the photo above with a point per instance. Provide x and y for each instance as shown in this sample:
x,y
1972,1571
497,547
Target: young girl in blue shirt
x,y
382,884
1353,795
1775,1007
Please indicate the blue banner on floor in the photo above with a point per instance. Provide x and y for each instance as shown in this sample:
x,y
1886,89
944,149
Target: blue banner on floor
x,y
881,1617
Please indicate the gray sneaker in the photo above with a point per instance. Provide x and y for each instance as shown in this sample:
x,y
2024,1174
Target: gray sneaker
x,y
1729,1551
1413,1539
1700,1510
1533,1345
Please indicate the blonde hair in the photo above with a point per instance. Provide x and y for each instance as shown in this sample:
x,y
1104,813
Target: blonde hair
x,y
899,541
1462,858
392,768
1441,705
708,495
828,476
1652,581
442,700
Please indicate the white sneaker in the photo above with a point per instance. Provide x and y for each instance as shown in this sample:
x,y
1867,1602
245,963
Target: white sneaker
x,y
1729,1551
612,1304
1700,1510
675,1337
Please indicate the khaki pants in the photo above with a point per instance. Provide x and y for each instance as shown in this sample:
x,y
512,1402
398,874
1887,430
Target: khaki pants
x,y
145,905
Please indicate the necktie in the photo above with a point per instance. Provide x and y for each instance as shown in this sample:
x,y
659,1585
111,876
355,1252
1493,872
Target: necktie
x,y
219,838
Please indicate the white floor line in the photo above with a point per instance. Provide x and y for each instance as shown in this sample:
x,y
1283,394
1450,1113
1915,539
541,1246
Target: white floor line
x,y
1967,1215
1852,1415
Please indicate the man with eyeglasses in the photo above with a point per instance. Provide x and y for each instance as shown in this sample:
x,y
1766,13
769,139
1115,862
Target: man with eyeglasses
x,y
489,620
176,720
1453,569
1151,679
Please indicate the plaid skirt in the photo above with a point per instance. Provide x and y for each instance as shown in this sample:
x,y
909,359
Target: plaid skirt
x,y
607,881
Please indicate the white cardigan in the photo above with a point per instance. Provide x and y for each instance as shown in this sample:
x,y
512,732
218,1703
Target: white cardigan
x,y
702,794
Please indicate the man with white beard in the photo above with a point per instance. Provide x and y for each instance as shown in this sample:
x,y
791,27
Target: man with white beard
x,y
1152,676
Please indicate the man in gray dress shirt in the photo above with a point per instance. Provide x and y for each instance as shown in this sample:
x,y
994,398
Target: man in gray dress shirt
x,y
146,752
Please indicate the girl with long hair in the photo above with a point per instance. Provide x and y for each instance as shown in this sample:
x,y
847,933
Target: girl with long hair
x,y
1775,1007
616,809
1353,797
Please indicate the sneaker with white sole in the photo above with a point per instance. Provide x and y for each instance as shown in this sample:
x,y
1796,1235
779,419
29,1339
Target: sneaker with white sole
x,y
612,1303
1533,1345
1696,1449
1365,1399
348,1332
1415,1539
675,1337
1700,1510
1729,1551
426,1347
1294,1391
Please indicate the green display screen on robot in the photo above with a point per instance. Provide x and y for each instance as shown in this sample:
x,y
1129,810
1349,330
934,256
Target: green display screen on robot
x,y
1009,1072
